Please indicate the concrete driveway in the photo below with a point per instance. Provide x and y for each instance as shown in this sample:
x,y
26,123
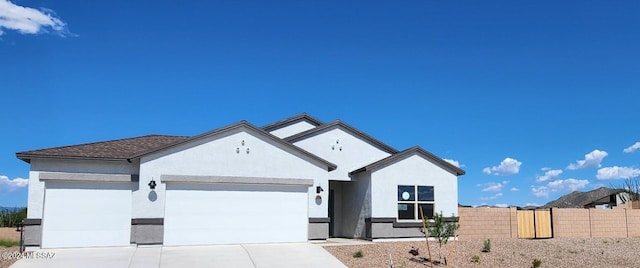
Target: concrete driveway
x,y
248,255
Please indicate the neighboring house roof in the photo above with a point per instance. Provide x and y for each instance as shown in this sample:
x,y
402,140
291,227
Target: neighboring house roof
x,y
578,199
106,150
406,153
335,124
241,124
292,120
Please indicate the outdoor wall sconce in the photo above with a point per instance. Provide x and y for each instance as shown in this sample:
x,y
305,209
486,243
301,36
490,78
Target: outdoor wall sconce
x,y
152,184
237,150
319,189
242,142
247,150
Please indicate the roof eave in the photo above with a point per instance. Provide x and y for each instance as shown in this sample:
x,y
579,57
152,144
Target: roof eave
x,y
287,121
311,132
28,157
415,149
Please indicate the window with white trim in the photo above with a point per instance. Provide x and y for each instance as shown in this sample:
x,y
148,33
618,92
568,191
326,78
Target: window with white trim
x,y
411,198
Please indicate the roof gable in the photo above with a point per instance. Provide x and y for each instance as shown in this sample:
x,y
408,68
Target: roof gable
x,y
292,120
120,149
416,150
340,124
242,124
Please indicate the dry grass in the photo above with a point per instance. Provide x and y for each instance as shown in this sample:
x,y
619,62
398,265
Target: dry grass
x,y
9,233
556,252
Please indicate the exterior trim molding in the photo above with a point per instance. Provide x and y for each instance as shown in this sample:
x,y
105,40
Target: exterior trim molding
x,y
402,224
66,176
319,220
236,180
147,221
30,222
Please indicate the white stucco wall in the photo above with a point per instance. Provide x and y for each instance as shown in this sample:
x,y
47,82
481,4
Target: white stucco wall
x,y
36,187
414,170
292,129
217,156
344,149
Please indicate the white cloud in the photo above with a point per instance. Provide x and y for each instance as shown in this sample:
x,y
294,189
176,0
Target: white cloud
x,y
28,20
616,172
493,186
508,166
549,174
453,162
558,186
591,160
514,189
7,185
632,148
532,205
491,197
501,205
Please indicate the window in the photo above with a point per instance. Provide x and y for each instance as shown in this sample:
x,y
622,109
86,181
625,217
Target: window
x,y
411,198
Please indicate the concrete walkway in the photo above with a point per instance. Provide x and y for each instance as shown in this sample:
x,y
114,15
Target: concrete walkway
x,y
248,255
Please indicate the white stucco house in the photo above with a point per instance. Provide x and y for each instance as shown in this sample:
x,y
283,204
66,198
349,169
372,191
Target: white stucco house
x,y
295,180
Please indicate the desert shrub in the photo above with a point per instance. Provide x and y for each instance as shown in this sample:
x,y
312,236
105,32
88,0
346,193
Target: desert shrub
x,y
442,230
12,217
475,259
536,263
487,246
358,254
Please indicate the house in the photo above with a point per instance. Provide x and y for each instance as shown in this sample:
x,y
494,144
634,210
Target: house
x,y
295,180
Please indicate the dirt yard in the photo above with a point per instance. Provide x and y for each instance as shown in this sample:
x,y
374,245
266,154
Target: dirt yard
x,y
9,233
555,252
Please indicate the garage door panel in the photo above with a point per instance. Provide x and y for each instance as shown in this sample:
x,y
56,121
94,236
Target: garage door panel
x,y
197,214
81,214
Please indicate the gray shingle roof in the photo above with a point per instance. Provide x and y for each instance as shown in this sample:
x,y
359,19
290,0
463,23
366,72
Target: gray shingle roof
x,y
120,149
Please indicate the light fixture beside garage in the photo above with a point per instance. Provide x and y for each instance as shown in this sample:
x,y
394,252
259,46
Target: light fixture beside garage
x,y
319,189
152,184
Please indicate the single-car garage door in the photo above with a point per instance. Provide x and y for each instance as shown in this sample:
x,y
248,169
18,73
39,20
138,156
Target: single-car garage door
x,y
86,214
201,214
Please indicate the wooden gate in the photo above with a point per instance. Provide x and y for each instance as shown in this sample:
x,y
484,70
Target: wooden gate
x,y
534,224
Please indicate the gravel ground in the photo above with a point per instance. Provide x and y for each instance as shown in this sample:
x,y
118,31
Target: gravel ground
x,y
4,261
556,252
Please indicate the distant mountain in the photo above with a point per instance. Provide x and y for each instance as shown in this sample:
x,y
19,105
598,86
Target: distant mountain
x,y
11,208
578,199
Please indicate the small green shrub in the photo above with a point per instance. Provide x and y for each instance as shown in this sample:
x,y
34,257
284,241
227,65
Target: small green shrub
x,y
9,243
358,254
487,246
475,259
536,263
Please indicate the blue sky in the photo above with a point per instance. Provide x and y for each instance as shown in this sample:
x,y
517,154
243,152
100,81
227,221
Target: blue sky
x,y
534,99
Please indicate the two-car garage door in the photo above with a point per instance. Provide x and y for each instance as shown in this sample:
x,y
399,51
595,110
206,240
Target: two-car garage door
x,y
200,214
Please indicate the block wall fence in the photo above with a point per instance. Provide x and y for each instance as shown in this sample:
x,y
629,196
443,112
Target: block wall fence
x,y
491,223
